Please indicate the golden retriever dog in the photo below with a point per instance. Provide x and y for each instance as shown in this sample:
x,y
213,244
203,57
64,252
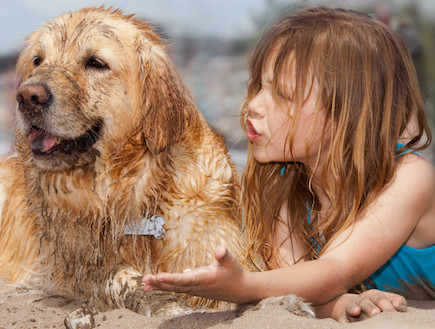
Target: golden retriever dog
x,y
114,172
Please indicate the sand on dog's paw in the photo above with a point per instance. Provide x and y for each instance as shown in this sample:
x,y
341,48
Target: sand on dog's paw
x,y
291,303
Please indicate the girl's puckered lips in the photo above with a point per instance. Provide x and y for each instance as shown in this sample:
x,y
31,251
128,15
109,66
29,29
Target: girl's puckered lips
x,y
251,133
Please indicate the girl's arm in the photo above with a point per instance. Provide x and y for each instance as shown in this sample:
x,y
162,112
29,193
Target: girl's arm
x,y
223,276
354,255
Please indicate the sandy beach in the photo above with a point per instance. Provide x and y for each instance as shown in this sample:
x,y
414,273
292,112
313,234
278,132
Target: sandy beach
x,y
23,307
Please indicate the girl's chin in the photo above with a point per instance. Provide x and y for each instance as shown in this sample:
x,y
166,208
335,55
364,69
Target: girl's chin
x,y
261,156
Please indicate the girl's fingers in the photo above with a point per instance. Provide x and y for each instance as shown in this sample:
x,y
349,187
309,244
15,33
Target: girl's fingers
x,y
165,283
353,310
177,282
221,254
368,307
385,305
387,301
179,279
351,314
226,259
398,301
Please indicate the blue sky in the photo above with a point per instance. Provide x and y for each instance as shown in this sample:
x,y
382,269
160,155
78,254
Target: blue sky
x,y
207,17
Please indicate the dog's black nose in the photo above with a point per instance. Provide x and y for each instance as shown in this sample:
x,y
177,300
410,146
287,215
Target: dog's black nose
x,y
32,99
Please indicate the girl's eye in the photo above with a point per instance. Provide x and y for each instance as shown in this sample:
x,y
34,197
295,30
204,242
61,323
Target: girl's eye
x,y
284,96
281,94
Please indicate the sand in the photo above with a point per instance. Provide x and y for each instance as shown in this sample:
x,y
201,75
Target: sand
x,y
23,307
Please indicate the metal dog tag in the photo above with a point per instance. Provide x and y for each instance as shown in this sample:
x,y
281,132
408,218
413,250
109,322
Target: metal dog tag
x,y
147,226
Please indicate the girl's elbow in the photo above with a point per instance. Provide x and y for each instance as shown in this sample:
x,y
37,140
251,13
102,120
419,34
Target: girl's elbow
x,y
336,284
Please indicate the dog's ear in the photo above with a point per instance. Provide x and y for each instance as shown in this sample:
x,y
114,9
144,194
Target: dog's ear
x,y
165,101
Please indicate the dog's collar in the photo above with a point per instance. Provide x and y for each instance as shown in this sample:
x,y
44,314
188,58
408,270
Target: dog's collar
x,y
147,226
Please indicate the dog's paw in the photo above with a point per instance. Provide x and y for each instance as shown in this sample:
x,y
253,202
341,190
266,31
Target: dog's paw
x,y
291,303
126,290
124,283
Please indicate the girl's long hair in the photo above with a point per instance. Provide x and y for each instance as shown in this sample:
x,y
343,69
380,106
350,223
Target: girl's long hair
x,y
369,92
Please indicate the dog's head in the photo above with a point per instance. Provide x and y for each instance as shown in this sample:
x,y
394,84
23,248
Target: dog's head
x,y
93,78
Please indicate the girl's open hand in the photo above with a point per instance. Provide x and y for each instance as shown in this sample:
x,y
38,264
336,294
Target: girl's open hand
x,y
221,280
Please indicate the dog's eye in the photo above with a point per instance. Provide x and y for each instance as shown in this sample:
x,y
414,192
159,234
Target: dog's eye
x,y
37,61
96,63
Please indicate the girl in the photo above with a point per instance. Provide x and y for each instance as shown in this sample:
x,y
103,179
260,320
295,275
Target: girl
x,y
334,191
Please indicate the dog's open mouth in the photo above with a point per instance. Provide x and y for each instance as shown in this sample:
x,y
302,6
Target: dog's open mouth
x,y
43,143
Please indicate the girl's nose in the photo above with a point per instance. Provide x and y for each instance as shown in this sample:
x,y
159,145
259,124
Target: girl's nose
x,y
257,106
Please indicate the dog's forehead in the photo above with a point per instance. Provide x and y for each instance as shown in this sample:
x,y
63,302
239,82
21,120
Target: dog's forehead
x,y
75,27
92,27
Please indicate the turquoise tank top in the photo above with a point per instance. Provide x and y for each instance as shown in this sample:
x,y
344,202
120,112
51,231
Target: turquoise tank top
x,y
410,272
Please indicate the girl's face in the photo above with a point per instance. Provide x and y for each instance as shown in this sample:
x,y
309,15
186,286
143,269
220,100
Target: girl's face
x,y
268,124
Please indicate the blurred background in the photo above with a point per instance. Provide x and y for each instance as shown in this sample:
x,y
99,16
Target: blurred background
x,y
210,42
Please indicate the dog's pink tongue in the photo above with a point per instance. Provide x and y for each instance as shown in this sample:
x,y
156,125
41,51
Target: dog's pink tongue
x,y
41,141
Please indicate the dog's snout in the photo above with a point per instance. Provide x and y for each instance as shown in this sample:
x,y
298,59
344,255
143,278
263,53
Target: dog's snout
x,y
33,98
